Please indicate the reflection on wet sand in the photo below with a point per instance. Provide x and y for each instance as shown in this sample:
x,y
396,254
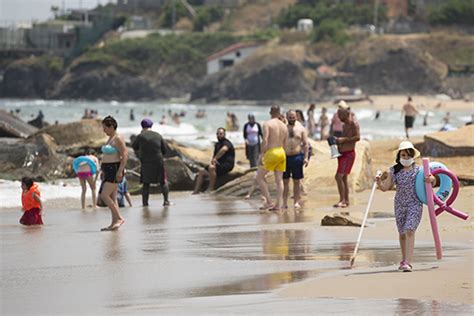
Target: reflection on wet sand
x,y
256,284
113,248
198,248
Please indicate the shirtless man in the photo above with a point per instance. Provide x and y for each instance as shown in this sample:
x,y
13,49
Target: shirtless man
x,y
410,112
272,157
296,150
346,146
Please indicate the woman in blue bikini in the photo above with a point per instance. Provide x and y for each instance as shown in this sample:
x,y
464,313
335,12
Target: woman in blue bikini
x,y
114,159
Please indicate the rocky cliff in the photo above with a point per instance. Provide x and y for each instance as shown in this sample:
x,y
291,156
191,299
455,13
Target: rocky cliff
x,y
275,73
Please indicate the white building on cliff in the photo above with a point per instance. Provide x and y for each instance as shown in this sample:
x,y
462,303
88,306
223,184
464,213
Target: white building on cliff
x,y
230,56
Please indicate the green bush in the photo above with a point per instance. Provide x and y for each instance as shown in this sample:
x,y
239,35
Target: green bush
x,y
453,12
319,11
166,19
185,53
330,30
206,16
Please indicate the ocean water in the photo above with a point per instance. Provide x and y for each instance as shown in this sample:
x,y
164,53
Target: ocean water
x,y
10,192
192,131
201,132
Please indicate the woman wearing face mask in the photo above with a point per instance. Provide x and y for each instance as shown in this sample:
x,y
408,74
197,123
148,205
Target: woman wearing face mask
x,y
408,209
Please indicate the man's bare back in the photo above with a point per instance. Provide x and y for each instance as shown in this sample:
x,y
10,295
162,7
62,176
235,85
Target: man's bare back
x,y
298,137
410,109
275,134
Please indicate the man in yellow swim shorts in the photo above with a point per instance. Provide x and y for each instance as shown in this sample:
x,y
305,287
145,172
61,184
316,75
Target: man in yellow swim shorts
x,y
273,158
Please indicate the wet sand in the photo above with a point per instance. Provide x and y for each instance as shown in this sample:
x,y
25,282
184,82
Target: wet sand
x,y
210,255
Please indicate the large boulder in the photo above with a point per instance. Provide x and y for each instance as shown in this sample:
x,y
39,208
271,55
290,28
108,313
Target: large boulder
x,y
319,175
447,144
276,73
180,177
35,157
71,137
11,126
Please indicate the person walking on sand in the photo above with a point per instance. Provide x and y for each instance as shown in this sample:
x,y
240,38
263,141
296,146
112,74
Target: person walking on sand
x,y
410,112
252,135
150,149
273,158
324,124
31,203
222,162
346,145
408,208
87,171
336,124
114,159
311,123
296,151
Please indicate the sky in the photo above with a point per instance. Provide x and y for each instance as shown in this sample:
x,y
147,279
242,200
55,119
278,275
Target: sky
x,y
15,11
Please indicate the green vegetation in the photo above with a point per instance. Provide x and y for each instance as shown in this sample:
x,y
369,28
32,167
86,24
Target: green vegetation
x,y
319,10
330,20
206,16
54,64
181,53
166,19
453,12
332,31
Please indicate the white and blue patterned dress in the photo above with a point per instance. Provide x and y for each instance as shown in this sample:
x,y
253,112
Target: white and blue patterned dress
x,y
408,209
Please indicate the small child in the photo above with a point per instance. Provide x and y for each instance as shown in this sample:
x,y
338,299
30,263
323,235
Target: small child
x,y
122,192
408,208
31,203
87,172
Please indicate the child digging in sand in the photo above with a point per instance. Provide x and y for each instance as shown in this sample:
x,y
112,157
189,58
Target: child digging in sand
x,y
408,209
31,203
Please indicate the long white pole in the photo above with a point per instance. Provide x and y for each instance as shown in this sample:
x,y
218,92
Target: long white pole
x,y
364,220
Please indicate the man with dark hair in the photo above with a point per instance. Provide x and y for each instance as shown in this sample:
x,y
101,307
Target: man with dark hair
x,y
410,111
222,162
150,148
296,151
252,135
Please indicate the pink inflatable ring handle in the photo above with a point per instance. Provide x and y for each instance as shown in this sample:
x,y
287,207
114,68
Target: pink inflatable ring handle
x,y
445,206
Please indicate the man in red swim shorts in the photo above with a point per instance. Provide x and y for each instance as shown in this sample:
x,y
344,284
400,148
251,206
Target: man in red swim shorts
x,y
346,145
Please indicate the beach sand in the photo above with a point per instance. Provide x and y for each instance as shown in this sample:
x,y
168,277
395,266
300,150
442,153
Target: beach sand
x,y
446,280
374,275
396,102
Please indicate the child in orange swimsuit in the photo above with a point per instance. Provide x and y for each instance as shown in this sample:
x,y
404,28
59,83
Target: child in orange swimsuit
x,y
31,203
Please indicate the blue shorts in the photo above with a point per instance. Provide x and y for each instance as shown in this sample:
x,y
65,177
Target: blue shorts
x,y
294,167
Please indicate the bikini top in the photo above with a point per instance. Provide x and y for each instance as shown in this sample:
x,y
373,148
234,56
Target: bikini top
x,y
109,149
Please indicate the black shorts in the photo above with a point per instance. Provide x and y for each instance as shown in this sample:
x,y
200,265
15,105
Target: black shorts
x,y
294,167
409,120
109,170
222,169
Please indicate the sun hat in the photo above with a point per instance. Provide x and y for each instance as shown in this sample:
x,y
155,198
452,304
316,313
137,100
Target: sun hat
x,y
343,104
146,123
407,145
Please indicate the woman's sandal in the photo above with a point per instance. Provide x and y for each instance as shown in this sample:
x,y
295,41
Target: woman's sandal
x,y
340,204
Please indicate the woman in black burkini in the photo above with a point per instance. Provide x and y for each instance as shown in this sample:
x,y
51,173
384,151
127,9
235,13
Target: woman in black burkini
x,y
150,148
